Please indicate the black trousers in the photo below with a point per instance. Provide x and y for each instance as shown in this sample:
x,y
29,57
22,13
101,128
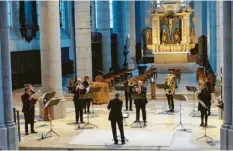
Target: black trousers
x,y
29,119
114,131
128,100
138,108
204,115
87,104
170,101
78,111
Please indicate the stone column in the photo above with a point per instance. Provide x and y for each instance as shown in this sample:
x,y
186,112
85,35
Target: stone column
x,y
208,5
219,39
103,19
3,134
227,76
51,53
83,39
132,33
93,16
118,28
12,138
15,17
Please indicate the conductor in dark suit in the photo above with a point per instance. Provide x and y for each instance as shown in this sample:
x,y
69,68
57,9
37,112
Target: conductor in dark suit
x,y
28,109
115,116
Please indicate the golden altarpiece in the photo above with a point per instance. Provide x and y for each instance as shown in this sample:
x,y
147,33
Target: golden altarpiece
x,y
171,37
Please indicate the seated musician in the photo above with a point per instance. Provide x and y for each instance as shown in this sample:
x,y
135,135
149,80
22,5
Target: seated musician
x,y
86,84
79,103
28,109
141,103
204,103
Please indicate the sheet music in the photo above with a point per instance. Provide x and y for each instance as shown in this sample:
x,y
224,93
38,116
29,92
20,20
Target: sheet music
x,y
186,98
42,98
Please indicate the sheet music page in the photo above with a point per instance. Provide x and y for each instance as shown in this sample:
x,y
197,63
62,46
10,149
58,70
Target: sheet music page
x,y
186,98
47,104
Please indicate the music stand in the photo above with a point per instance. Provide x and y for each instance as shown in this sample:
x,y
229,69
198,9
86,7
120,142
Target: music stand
x,y
164,87
205,136
121,88
181,98
193,89
51,103
87,96
47,96
93,91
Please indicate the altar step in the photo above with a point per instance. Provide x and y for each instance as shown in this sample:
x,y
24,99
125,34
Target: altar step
x,y
185,67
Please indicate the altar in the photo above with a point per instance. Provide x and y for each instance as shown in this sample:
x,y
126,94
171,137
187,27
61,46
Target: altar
x,y
170,38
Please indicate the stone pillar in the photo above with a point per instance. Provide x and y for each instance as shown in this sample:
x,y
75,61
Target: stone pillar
x,y
3,134
208,5
219,39
93,16
118,28
230,108
132,33
227,76
83,39
51,53
103,19
15,17
12,138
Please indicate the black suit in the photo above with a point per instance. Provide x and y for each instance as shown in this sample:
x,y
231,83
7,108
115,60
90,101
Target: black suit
x,y
78,103
86,106
128,99
115,116
140,104
29,111
205,97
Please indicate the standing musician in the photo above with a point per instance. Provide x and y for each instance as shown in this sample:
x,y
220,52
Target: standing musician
x,y
128,91
28,109
204,103
170,81
115,116
208,86
86,101
141,103
78,103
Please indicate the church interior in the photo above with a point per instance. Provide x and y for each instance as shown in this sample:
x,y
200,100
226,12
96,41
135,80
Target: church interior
x,y
73,70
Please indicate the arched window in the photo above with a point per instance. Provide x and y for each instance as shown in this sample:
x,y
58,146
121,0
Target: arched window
x,y
10,22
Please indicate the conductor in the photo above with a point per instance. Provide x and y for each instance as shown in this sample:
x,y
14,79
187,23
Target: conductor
x,y
115,116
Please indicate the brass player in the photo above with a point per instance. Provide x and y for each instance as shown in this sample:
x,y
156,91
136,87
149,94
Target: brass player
x,y
205,101
141,102
170,81
28,109
86,84
128,91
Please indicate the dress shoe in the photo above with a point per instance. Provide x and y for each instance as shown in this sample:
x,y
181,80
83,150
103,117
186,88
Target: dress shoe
x,y
34,132
145,124
82,122
123,142
126,109
131,109
85,112
205,125
116,143
201,124
26,133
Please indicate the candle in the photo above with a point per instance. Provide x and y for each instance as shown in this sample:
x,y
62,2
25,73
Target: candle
x,y
142,53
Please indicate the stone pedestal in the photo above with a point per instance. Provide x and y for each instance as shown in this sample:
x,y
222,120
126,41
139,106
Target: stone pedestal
x,y
51,53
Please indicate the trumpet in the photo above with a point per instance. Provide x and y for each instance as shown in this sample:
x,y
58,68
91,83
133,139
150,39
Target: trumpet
x,y
130,83
138,89
80,86
36,96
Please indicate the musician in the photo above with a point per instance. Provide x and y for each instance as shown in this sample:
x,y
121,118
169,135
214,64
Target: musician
x,y
115,116
79,103
204,97
28,109
170,92
86,101
140,104
128,92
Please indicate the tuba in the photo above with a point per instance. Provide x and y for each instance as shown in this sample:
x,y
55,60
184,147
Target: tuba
x,y
172,84
130,83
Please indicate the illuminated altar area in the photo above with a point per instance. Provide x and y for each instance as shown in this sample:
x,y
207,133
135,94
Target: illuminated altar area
x,y
171,37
